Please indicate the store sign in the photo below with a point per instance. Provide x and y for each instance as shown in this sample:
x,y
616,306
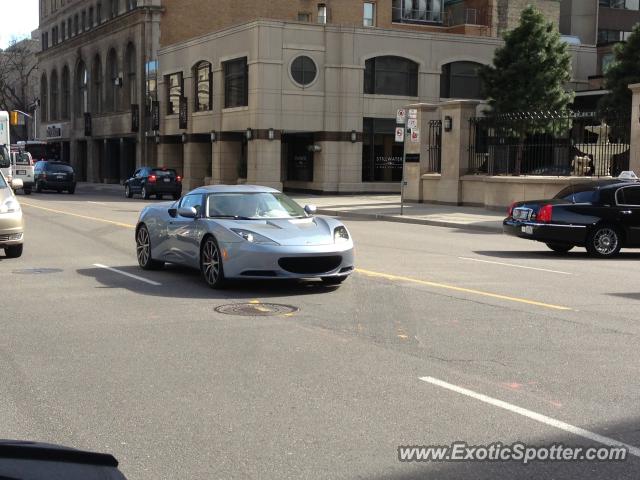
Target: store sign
x,y
413,113
415,135
183,114
401,116
412,123
54,131
384,163
135,118
399,134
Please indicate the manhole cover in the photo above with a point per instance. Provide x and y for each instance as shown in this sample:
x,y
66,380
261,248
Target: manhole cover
x,y
256,309
37,271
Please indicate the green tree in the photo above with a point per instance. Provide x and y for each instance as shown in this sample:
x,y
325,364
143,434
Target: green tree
x,y
624,70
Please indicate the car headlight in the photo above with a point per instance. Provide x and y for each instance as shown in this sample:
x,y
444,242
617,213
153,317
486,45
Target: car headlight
x,y
10,205
340,235
253,237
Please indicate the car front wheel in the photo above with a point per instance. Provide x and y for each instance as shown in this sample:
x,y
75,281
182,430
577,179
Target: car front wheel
x,y
604,241
560,247
143,250
145,193
211,263
14,251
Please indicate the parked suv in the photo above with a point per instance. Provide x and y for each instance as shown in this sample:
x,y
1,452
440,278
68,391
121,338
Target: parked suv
x,y
22,165
52,175
156,181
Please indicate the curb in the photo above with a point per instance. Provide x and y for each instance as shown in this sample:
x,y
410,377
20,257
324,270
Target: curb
x,y
410,220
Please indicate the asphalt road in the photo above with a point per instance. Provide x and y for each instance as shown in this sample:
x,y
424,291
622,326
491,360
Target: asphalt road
x,y
146,369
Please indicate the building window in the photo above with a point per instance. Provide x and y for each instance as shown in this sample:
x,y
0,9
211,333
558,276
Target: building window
x,y
131,89
114,82
203,97
55,96
96,73
606,62
304,70
391,76
612,36
131,4
461,80
90,17
115,8
304,17
381,154
99,13
82,104
84,21
44,98
175,91
76,24
322,13
66,94
423,11
623,4
236,83
369,16
45,40
63,30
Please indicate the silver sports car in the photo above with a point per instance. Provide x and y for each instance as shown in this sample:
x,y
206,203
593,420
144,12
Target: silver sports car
x,y
244,231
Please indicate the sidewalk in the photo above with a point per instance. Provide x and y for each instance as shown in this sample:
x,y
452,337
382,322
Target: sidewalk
x,y
382,207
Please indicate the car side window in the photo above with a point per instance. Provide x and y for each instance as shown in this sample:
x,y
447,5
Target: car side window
x,y
192,201
136,174
629,196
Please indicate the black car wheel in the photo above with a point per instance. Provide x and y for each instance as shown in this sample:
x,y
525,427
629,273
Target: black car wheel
x,y
560,247
38,187
604,241
145,193
211,263
158,196
27,191
127,192
14,251
143,250
334,280
72,190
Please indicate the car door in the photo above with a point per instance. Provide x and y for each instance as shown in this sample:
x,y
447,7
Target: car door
x,y
184,233
137,180
628,211
132,180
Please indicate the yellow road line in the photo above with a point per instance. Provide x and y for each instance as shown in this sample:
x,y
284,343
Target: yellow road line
x,y
103,220
460,289
386,276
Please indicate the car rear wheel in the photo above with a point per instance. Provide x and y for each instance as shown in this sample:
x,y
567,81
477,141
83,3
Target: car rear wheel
x,y
38,187
334,280
143,250
145,193
27,191
127,192
604,241
14,251
211,263
560,247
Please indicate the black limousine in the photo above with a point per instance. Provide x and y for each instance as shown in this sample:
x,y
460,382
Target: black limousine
x,y
602,216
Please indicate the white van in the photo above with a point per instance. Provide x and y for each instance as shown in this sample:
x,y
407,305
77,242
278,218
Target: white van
x,y
22,166
5,161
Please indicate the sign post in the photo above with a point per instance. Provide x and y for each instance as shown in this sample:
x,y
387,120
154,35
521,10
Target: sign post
x,y
401,119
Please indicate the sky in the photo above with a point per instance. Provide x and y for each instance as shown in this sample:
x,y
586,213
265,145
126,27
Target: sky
x,y
17,19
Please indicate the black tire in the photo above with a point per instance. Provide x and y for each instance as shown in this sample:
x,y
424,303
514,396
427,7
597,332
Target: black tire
x,y
334,280
127,191
604,241
145,194
27,191
38,187
158,196
72,190
211,263
14,251
143,250
560,247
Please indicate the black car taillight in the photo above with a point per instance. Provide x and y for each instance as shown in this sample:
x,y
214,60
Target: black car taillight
x,y
545,213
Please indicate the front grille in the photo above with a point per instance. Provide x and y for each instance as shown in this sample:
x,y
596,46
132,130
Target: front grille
x,y
311,265
10,236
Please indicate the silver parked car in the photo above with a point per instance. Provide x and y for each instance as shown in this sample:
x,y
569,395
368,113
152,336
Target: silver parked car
x,y
244,231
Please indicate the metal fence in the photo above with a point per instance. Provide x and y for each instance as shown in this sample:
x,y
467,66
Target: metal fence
x,y
549,143
434,147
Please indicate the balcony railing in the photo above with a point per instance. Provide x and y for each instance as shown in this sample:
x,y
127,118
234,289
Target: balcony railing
x,y
466,16
416,15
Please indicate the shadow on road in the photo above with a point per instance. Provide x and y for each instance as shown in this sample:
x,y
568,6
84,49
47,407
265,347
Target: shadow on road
x,y
181,282
577,254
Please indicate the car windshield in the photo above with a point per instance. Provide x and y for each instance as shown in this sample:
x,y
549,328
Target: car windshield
x,y
163,172
59,168
22,158
5,161
251,206
578,194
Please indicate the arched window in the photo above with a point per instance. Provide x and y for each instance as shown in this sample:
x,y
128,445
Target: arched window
x,y
391,76
203,87
113,80
461,80
81,83
44,98
96,94
130,90
55,96
65,106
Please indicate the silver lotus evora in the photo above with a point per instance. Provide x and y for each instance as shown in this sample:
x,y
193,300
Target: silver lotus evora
x,y
243,231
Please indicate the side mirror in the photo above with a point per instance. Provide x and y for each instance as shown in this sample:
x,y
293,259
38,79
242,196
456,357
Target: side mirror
x,y
310,209
173,212
17,184
188,212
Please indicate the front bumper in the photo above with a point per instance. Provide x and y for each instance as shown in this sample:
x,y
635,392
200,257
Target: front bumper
x,y
546,232
248,260
11,229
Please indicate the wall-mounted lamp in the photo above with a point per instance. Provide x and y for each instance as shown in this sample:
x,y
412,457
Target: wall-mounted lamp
x,y
157,136
117,81
272,134
249,134
213,136
354,136
314,148
184,137
447,124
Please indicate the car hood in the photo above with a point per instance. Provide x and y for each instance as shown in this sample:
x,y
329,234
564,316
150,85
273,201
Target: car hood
x,y
290,232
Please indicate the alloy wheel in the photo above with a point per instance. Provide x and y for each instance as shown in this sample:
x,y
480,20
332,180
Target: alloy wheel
x,y
211,262
143,247
605,241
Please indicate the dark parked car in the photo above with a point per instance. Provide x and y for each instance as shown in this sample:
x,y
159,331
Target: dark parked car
x,y
53,175
148,181
602,216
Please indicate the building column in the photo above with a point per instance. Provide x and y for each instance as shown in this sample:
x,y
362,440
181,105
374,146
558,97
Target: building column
x,y
455,148
634,152
197,164
225,160
92,162
264,163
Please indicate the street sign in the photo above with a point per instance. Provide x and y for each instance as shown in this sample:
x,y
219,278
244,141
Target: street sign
x,y
400,134
415,135
401,116
413,113
412,123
